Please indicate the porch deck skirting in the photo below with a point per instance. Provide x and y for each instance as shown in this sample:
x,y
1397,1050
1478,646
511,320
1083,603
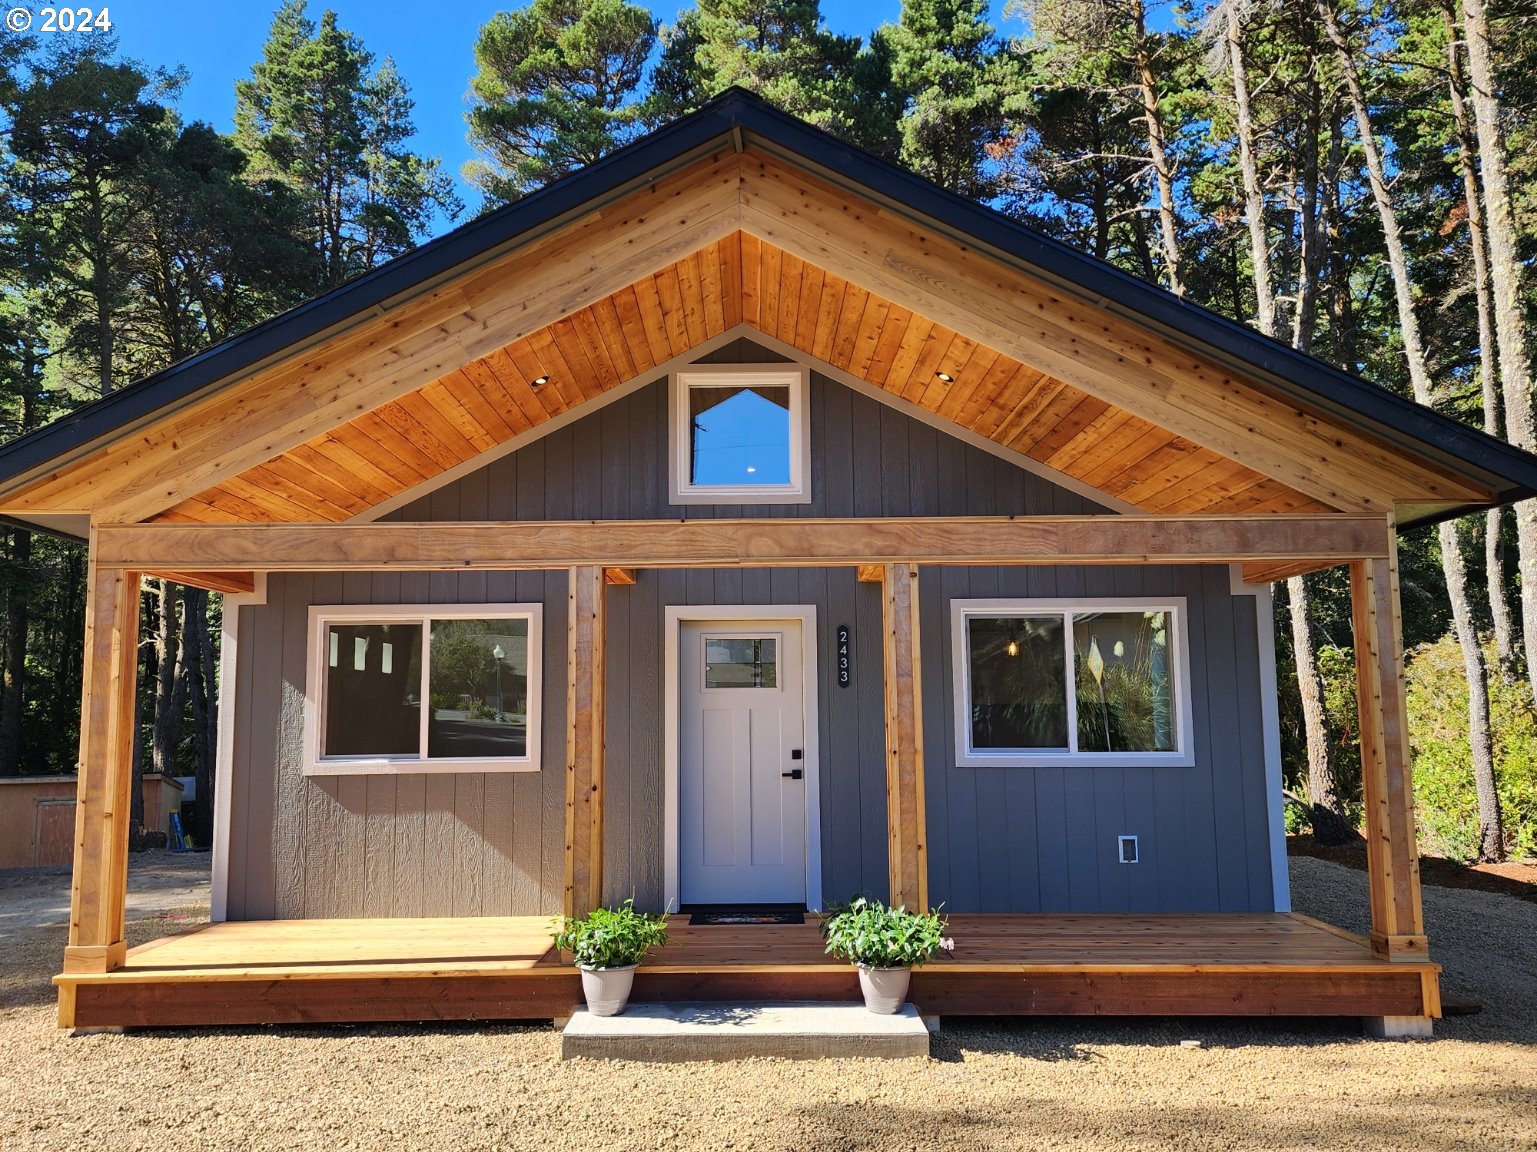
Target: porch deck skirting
x,y
503,968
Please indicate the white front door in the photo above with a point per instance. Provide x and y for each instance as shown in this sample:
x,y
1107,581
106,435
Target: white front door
x,y
741,763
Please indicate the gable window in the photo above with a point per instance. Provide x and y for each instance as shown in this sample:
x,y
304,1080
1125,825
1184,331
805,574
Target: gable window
x,y
423,689
1049,683
739,434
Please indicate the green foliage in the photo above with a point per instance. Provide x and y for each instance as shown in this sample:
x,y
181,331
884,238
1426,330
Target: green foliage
x,y
869,933
316,117
556,87
1130,706
611,937
1337,668
1082,165
461,660
1446,806
955,87
83,127
776,48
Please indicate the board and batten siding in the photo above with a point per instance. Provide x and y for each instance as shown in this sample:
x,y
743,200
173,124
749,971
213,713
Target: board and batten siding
x,y
999,839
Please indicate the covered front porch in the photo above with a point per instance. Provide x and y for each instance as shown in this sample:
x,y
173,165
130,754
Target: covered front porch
x,y
504,968
329,970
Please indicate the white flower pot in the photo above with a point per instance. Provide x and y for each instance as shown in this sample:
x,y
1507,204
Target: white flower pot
x,y
885,989
607,989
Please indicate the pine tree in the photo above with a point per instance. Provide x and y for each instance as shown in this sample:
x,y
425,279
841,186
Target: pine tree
x,y
557,86
81,132
316,117
1454,567
1109,47
779,49
1508,275
957,87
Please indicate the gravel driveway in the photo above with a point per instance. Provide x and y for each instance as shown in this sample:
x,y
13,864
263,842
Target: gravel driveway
x,y
1048,1084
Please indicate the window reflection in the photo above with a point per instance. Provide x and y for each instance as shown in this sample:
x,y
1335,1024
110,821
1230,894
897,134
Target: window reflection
x,y
740,436
1125,691
1018,682
741,662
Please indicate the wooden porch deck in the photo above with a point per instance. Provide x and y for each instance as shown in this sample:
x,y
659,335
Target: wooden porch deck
x,y
340,971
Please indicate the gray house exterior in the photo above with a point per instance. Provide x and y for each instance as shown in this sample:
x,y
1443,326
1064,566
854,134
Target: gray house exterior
x,y
1002,839
744,521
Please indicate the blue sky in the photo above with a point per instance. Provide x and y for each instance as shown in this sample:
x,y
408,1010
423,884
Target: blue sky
x,y
432,43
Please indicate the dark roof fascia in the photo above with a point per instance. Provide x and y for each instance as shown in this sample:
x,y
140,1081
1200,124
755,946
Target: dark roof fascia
x,y
475,242
1292,375
1297,377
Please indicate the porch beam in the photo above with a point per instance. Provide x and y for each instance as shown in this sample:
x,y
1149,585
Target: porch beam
x,y
1274,573
906,833
235,583
1392,858
584,740
98,891
988,540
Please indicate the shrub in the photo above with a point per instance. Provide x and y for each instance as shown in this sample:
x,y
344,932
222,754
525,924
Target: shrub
x,y
867,932
1445,803
611,937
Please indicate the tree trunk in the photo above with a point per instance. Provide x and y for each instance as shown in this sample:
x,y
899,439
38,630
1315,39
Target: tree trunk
x,y
1329,823
170,655
1505,278
1452,565
1491,824
1342,320
17,618
1162,174
1310,242
148,671
1254,199
200,674
1494,552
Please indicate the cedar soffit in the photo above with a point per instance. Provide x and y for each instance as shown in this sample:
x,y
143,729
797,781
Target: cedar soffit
x,y
739,280
412,391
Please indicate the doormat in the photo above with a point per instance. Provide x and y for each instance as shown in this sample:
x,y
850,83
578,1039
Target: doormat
x,y
747,916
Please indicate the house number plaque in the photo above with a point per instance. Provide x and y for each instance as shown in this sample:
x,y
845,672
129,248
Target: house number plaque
x,y
845,667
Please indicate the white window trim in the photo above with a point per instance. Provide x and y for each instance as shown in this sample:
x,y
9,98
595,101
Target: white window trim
x,y
797,378
966,757
321,615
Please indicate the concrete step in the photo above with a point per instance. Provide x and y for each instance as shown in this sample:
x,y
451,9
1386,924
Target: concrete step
x,y
734,1031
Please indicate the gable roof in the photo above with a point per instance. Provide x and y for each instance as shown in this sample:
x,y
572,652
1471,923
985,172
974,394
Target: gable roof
x,y
1462,468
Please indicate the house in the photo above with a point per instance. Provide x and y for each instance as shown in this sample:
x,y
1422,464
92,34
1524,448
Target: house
x,y
744,520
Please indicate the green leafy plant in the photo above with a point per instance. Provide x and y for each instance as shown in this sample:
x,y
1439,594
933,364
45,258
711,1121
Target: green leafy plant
x,y
611,937
869,933
1445,802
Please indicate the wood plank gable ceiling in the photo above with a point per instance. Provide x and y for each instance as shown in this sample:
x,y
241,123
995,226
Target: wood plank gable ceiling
x,y
347,470
410,392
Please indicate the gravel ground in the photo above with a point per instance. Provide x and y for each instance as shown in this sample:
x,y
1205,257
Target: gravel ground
x,y
1051,1084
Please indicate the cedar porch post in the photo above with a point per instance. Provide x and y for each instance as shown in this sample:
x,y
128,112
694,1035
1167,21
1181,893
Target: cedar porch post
x,y
905,827
584,741
1392,860
104,784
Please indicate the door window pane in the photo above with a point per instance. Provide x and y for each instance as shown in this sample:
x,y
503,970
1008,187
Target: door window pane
x,y
373,678
739,436
741,662
1018,682
478,684
1125,683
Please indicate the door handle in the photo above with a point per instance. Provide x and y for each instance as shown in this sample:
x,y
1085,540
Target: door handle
x,y
793,774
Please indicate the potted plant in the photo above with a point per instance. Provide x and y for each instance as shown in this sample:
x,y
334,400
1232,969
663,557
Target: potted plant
x,y
886,944
608,944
